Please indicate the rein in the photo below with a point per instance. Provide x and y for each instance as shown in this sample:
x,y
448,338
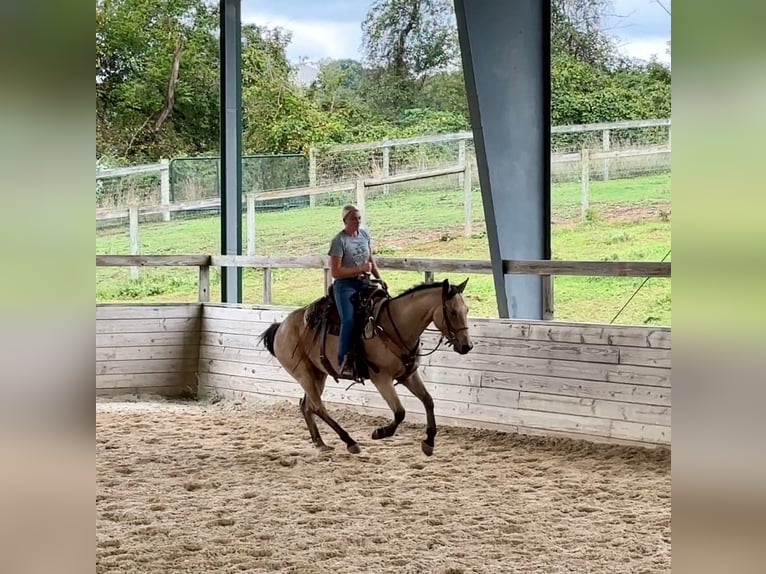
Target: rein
x,y
408,360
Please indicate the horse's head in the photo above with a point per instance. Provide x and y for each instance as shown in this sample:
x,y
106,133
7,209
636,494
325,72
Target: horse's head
x,y
452,317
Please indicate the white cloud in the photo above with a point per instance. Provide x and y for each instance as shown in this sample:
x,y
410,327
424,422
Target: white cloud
x,y
645,48
313,39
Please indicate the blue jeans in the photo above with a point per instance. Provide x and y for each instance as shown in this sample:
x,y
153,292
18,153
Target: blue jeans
x,y
343,290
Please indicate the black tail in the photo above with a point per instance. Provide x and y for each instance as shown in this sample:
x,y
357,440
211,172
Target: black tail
x,y
267,338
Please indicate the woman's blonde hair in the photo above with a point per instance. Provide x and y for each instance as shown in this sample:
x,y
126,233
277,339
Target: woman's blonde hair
x,y
348,209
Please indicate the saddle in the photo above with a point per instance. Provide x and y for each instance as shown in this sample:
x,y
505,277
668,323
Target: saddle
x,y
322,317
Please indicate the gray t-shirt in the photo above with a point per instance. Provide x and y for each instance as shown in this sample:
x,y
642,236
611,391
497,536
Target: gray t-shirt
x,y
354,251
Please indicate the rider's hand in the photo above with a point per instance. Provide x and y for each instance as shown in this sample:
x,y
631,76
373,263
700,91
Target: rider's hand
x,y
384,285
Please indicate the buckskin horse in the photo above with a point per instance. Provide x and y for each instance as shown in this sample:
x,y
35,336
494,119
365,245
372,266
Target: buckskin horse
x,y
306,348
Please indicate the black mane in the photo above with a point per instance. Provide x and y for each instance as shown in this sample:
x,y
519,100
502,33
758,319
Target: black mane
x,y
423,286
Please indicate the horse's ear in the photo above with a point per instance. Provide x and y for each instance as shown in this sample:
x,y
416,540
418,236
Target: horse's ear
x,y
445,288
461,287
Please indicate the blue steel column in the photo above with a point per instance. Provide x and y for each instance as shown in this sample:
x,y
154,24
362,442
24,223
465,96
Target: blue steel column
x,y
231,146
505,49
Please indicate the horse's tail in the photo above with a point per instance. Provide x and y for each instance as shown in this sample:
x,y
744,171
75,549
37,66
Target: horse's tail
x,y
267,337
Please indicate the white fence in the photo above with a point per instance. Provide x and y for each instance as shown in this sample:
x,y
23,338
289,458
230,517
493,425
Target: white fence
x,y
380,175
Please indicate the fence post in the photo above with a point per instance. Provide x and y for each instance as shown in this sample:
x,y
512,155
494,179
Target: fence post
x,y
584,180
547,285
267,285
250,200
429,277
360,200
165,188
606,144
467,206
460,159
204,283
133,221
312,174
386,168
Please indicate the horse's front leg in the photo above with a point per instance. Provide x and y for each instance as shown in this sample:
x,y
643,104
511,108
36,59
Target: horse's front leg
x,y
386,389
415,385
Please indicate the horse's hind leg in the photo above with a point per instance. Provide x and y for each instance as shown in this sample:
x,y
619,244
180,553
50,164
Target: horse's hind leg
x,y
312,405
386,389
308,414
415,385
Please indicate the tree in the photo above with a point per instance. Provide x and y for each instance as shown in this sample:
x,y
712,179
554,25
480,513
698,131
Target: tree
x,y
577,30
156,77
410,38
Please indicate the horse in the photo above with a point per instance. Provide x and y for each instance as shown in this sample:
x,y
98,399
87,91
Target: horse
x,y
392,353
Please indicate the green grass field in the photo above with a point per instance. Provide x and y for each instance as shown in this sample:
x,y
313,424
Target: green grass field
x,y
627,220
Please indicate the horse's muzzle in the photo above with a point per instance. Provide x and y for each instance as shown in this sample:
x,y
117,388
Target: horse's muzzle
x,y
463,348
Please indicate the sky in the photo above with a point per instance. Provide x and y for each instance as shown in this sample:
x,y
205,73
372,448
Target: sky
x,y
332,28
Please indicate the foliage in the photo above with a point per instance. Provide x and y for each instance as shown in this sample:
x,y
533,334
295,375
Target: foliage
x,y
410,38
410,84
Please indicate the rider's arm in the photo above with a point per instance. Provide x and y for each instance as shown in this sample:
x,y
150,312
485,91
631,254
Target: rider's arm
x,y
339,272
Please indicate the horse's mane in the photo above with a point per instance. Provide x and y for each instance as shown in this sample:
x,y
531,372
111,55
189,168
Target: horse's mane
x,y
420,287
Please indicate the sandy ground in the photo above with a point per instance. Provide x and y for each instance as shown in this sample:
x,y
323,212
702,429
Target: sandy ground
x,y
197,487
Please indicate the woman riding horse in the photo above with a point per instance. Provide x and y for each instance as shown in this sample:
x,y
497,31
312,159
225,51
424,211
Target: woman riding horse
x,y
351,262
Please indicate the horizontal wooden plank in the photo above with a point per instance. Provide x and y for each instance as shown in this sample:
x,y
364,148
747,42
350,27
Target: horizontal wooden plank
x,y
541,349
147,352
647,357
146,392
436,265
591,407
416,175
574,387
179,338
588,268
141,380
251,329
147,311
657,434
600,126
258,313
152,260
147,326
272,261
633,152
631,374
216,339
146,366
130,170
566,332
303,191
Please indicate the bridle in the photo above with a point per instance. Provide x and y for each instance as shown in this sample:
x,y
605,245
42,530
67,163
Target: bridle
x,y
411,355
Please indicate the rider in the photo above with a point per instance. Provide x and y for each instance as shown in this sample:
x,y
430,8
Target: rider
x,y
351,263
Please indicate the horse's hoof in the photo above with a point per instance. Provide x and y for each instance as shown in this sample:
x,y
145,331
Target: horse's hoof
x,y
428,450
378,434
354,448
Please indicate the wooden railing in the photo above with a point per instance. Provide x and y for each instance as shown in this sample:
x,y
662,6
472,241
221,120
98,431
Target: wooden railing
x,y
545,268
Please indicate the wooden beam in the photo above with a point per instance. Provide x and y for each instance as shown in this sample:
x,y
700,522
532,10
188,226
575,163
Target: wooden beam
x,y
152,260
588,268
531,267
399,178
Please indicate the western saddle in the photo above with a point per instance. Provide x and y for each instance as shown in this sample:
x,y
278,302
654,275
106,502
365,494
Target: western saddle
x,y
322,317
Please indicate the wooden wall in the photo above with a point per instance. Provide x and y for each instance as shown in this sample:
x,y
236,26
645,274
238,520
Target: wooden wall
x,y
147,349
601,383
